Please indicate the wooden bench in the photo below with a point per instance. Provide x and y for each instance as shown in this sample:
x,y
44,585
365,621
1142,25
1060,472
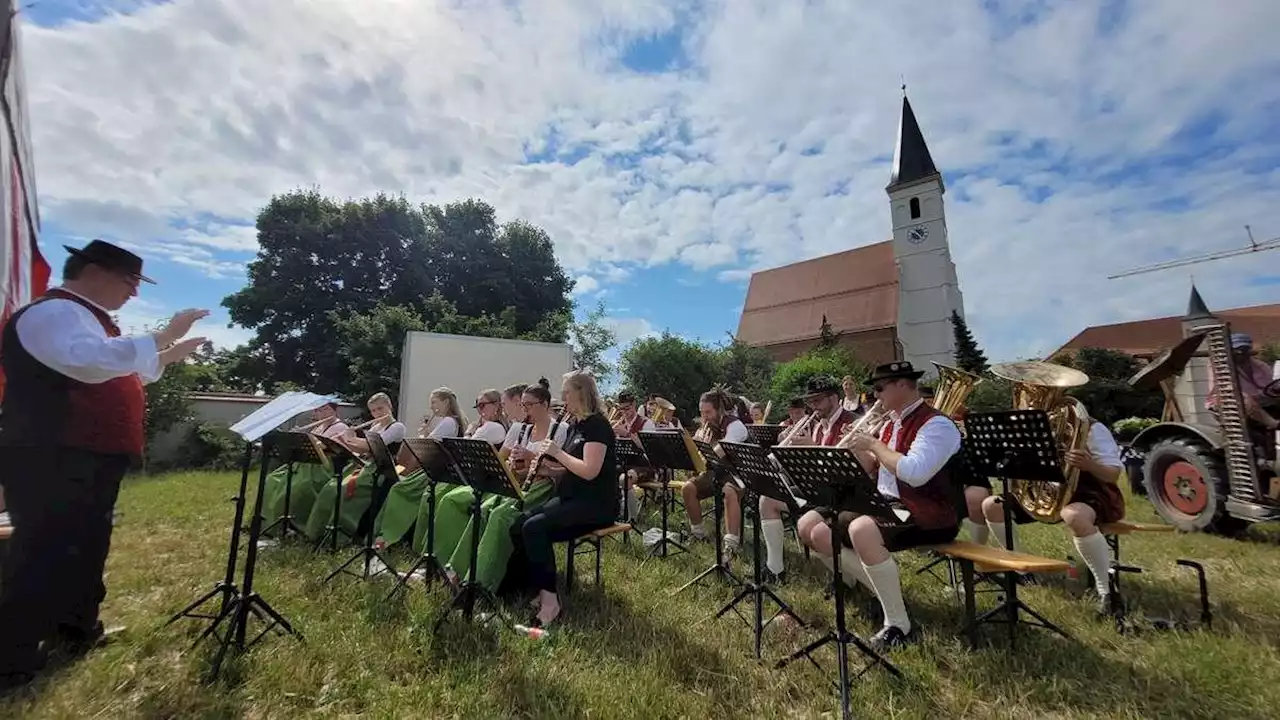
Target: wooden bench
x,y
973,559
593,542
1112,532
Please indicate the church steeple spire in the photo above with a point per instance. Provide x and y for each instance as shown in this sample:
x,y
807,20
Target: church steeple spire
x,y
911,159
1196,308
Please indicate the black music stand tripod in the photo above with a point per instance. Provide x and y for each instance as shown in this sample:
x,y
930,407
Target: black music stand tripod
x,y
751,464
721,476
831,481
667,453
292,448
237,608
479,465
427,561
342,458
630,457
384,472
1018,444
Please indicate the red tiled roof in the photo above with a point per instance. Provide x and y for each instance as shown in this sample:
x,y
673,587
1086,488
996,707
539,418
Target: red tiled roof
x,y
856,289
1147,338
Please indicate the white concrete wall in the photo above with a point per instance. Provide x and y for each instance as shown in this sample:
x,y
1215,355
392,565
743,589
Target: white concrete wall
x,y
928,289
471,365
1192,386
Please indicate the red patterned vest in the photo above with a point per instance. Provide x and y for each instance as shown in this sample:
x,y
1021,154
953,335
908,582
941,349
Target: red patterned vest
x,y
637,424
833,435
44,407
932,505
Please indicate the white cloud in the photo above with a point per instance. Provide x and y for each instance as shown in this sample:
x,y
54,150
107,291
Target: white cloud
x,y
141,314
204,108
585,285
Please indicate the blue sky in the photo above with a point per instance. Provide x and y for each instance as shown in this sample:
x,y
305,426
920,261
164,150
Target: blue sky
x,y
672,147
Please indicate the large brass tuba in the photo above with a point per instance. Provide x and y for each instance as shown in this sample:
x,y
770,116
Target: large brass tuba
x,y
954,386
661,410
1042,386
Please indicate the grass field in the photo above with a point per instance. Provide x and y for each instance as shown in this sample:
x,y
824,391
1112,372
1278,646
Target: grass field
x,y
633,650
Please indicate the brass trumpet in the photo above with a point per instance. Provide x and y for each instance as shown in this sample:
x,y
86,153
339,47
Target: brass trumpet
x,y
794,431
871,423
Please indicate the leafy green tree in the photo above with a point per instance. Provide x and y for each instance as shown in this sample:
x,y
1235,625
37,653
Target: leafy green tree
x,y
827,336
1108,396
789,378
591,339
968,355
374,343
677,369
746,370
321,259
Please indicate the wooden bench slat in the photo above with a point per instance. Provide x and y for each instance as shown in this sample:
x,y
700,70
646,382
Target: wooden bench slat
x,y
613,529
1124,528
6,532
673,484
992,559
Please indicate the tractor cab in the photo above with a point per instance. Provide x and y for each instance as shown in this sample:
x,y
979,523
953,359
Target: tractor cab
x,y
1200,476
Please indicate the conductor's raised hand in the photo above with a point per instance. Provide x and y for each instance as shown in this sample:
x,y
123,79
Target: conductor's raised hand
x,y
181,351
179,325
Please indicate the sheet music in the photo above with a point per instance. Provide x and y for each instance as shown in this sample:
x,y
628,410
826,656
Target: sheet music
x,y
277,412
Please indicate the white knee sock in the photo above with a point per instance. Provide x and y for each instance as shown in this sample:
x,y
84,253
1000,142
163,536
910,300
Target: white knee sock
x,y
997,532
774,540
884,579
1093,549
977,533
633,503
852,571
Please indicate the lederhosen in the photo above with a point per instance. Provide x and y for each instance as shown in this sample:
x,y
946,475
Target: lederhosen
x,y
932,505
1103,497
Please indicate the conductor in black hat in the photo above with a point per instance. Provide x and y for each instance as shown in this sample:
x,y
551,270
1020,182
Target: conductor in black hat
x,y
71,424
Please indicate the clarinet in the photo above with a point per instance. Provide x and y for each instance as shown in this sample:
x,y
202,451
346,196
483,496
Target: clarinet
x,y
533,464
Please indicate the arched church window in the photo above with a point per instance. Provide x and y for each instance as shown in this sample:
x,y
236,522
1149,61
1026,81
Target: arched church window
x,y
915,208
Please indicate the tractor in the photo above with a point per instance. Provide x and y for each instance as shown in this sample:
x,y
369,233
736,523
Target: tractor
x,y
1202,477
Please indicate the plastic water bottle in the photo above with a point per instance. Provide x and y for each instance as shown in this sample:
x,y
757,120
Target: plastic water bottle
x,y
531,632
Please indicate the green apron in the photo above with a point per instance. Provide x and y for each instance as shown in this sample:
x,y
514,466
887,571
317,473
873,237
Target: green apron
x,y
400,509
354,504
495,550
308,478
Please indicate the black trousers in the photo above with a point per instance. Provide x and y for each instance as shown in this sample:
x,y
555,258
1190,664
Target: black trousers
x,y
60,501
536,532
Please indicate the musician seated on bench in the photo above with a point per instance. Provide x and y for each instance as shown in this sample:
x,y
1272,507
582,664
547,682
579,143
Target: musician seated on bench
x,y
1097,501
629,424
910,459
829,424
721,415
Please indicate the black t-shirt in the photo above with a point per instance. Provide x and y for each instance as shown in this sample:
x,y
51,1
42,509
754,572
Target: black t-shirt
x,y
603,488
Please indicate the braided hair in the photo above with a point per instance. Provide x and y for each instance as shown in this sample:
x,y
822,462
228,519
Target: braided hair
x,y
725,403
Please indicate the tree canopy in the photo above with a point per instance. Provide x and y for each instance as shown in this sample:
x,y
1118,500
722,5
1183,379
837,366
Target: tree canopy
x,y
336,283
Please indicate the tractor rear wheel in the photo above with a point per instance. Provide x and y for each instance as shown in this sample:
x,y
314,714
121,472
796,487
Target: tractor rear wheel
x,y
1187,483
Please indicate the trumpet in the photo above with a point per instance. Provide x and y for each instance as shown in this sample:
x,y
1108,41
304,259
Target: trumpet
x,y
794,431
870,423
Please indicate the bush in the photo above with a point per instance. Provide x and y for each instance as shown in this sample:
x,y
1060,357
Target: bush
x,y
1127,429
789,378
211,446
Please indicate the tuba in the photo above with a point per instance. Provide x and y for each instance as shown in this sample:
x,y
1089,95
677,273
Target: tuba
x,y
954,386
661,411
1041,385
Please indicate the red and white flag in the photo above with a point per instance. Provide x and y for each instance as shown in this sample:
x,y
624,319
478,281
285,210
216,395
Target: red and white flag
x,y
24,273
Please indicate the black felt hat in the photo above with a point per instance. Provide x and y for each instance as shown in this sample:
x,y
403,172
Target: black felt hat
x,y
900,370
100,252
821,385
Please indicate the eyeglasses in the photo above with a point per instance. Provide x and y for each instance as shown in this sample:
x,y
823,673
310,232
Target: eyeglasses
x,y
535,403
482,403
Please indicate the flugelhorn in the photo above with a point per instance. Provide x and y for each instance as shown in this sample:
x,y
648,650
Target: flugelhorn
x,y
1041,385
871,422
794,431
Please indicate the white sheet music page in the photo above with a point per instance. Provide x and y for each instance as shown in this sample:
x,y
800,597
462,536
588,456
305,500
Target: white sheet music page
x,y
270,416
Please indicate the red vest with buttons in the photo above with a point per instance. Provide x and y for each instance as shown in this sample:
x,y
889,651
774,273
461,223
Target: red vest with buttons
x,y
45,407
932,504
835,432
637,424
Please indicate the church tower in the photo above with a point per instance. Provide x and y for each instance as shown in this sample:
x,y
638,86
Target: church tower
x,y
928,290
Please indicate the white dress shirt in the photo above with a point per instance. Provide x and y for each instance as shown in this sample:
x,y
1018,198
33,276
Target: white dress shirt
x,y
519,429
935,442
335,431
446,428
1103,447
491,431
736,432
65,337
392,433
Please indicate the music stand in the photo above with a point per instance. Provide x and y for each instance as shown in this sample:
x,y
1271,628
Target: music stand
x,y
236,608
384,473
294,448
720,475
831,480
1005,444
342,458
479,465
667,452
751,465
435,461
764,435
630,457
